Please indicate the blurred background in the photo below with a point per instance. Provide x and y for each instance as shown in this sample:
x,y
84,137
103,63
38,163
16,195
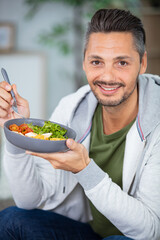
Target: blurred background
x,y
41,47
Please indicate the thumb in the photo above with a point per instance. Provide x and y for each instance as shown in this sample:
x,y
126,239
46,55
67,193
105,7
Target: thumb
x,y
71,144
18,97
15,89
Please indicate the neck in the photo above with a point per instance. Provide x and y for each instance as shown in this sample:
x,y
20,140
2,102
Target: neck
x,y
116,118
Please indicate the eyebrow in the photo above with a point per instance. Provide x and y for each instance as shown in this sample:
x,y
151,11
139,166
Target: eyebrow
x,y
95,57
123,57
116,58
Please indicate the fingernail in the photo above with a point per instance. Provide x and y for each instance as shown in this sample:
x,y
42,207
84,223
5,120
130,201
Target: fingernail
x,y
8,88
12,101
15,90
28,152
69,142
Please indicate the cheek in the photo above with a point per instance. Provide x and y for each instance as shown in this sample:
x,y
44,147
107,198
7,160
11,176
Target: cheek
x,y
93,74
130,81
128,76
90,75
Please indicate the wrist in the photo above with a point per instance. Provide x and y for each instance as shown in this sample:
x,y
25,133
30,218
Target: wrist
x,y
87,161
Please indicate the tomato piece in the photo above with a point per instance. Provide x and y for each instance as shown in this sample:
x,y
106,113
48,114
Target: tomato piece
x,y
30,129
27,130
23,128
14,127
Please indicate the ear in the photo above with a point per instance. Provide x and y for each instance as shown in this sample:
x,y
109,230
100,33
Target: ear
x,y
143,63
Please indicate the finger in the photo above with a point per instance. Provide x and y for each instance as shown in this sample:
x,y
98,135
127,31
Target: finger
x,y
42,155
5,86
5,95
20,100
14,87
71,144
4,104
18,97
47,156
35,154
3,113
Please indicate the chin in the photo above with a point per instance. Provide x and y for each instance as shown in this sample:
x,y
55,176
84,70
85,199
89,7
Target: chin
x,y
110,103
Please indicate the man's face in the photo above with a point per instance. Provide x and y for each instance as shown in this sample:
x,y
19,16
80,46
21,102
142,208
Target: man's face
x,y
112,65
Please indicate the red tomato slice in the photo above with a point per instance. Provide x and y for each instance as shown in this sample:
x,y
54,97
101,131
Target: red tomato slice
x,y
23,128
14,127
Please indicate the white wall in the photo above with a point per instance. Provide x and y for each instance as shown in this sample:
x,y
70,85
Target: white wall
x,y
27,71
59,78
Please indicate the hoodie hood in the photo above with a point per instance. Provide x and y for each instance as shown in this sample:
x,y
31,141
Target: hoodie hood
x,y
81,117
148,116
149,103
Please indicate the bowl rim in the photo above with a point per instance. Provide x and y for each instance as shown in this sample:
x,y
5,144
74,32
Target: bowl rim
x,y
11,121
33,144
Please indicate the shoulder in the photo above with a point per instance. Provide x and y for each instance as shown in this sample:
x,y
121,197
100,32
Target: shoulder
x,y
76,96
68,104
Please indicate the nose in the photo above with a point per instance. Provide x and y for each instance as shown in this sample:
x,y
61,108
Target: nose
x,y
108,73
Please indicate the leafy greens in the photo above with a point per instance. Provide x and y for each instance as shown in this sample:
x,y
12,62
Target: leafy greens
x,y
49,127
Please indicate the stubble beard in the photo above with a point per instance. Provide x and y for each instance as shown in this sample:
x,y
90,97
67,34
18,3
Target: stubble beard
x,y
114,103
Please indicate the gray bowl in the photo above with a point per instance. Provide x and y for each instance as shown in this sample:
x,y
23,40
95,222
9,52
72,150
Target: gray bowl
x,y
36,145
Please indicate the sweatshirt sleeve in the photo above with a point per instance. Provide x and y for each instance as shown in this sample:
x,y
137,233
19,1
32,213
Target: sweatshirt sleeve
x,y
29,177
33,180
138,216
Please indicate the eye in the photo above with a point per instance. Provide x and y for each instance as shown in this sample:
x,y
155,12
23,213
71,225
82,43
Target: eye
x,y
95,63
123,63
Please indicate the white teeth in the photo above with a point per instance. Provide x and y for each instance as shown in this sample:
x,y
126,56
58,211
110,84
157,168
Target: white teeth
x,y
108,89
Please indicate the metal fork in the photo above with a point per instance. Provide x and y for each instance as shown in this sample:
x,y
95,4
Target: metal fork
x,y
14,105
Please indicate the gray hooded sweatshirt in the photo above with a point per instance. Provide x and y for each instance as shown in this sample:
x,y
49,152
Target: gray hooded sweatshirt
x,y
134,209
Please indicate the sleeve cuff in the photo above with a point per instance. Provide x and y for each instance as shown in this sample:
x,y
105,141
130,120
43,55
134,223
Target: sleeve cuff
x,y
90,176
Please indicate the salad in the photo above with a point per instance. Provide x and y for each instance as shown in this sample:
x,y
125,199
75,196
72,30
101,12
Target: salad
x,y
49,131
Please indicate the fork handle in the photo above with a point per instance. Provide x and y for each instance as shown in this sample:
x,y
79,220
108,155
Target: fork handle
x,y
6,78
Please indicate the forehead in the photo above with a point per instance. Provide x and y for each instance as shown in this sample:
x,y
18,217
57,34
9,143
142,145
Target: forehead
x,y
114,42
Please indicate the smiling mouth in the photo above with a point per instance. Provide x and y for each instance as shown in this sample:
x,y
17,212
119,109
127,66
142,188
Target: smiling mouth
x,y
109,88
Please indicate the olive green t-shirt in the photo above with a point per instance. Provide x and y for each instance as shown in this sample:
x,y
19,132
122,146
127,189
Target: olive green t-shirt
x,y
108,152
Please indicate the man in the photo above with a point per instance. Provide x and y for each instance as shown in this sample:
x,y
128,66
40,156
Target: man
x,y
108,183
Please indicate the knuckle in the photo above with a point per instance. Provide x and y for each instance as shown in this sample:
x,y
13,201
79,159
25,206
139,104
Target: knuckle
x,y
5,95
3,113
3,104
3,84
8,98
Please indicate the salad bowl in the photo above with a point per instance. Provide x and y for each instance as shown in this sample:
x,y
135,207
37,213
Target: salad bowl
x,y
33,144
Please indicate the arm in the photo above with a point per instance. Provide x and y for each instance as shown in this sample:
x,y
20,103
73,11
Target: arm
x,y
28,177
137,216
31,180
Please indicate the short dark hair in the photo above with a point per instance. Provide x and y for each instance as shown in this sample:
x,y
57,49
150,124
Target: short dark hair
x,y
116,20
